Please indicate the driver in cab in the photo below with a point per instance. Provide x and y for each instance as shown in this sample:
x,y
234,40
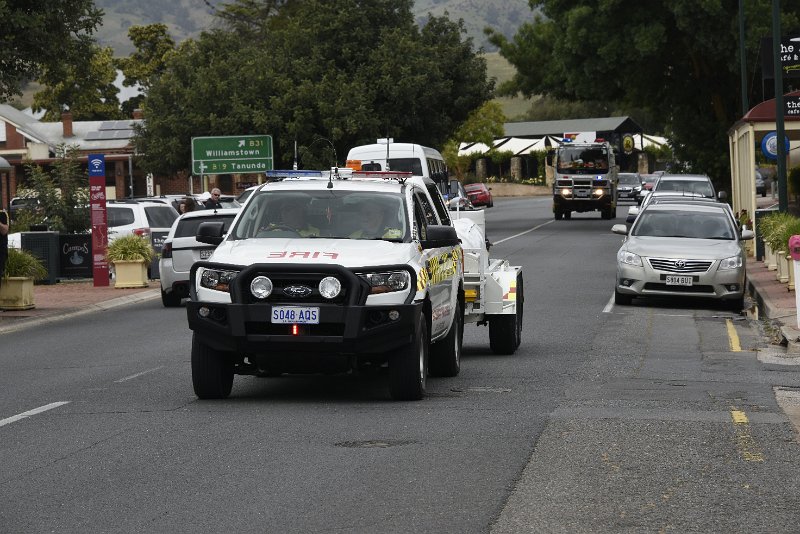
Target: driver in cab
x,y
293,218
373,224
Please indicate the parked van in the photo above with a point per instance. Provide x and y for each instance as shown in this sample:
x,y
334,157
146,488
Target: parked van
x,y
402,157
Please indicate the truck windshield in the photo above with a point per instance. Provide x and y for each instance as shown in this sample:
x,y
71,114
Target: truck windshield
x,y
324,214
582,160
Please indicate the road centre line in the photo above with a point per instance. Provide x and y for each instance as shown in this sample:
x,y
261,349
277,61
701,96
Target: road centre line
x,y
23,415
745,444
521,233
137,375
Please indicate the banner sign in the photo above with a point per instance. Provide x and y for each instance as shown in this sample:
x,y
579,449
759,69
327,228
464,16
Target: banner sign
x,y
99,219
791,105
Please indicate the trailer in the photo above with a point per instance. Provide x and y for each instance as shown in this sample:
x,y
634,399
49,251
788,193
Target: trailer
x,y
493,288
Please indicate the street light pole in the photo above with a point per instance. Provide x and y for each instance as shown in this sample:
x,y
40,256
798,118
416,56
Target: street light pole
x,y
743,59
783,193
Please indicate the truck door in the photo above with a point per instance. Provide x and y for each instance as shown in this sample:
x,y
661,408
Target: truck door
x,y
439,264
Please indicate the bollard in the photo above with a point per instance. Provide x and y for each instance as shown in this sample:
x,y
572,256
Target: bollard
x,y
794,252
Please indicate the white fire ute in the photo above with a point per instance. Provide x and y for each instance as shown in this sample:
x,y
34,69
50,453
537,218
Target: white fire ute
x,y
342,271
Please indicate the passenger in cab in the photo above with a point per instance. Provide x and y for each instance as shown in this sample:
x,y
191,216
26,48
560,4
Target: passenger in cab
x,y
293,217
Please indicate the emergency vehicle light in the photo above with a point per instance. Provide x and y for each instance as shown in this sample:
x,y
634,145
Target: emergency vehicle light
x,y
289,173
382,175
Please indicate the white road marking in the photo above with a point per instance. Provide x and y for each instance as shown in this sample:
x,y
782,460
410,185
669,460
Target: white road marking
x,y
521,233
610,305
23,415
137,375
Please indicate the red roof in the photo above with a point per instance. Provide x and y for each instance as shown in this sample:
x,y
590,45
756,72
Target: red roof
x,y
765,111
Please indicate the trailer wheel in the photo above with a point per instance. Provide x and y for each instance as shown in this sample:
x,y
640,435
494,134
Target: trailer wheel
x,y
408,366
505,331
445,358
212,371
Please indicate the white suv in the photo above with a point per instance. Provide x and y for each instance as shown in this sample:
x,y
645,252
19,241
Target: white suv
x,y
143,218
181,250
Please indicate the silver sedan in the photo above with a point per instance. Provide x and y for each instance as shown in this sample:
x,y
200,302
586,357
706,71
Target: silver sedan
x,y
685,250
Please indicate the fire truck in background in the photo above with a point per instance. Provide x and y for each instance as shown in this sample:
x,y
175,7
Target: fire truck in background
x,y
585,179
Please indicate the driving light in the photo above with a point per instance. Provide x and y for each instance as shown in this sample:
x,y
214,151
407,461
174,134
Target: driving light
x,y
598,192
330,287
566,192
734,262
261,287
629,258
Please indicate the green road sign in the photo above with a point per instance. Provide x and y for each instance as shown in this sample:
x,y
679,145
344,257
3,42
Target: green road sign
x,y
231,154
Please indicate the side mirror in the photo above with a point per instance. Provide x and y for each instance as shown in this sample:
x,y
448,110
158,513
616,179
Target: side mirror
x,y
722,195
440,236
620,229
747,235
211,233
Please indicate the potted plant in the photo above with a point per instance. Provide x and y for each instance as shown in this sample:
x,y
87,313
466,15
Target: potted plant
x,y
16,290
130,255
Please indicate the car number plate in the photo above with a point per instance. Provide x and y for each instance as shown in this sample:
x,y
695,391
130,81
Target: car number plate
x,y
581,193
295,315
205,254
679,280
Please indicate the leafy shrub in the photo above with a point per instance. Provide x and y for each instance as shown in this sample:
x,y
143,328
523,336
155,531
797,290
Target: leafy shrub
x,y
21,263
130,248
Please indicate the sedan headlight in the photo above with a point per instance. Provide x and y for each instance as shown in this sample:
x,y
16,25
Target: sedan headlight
x,y
217,279
387,282
629,258
734,262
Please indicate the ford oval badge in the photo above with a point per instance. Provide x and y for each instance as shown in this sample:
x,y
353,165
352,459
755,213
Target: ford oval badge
x,y
297,291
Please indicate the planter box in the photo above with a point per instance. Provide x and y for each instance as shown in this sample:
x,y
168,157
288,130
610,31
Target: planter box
x,y
130,274
16,293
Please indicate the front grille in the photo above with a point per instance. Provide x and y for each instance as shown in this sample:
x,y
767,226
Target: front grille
x,y
282,280
679,265
654,286
583,181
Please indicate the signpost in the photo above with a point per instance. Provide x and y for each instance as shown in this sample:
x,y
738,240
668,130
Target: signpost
x,y
232,154
97,208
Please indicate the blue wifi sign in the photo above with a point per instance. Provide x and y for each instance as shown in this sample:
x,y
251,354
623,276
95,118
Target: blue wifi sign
x,y
97,165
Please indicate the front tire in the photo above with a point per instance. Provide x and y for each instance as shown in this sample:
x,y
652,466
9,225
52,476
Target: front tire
x,y
212,371
622,299
170,300
505,331
445,356
408,366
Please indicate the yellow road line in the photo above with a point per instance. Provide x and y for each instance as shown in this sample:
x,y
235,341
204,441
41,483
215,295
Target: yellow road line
x,y
733,337
745,444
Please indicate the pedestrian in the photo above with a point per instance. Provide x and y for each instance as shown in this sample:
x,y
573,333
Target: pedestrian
x,y
4,223
186,205
213,203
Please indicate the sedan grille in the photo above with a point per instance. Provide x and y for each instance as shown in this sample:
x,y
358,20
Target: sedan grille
x,y
679,265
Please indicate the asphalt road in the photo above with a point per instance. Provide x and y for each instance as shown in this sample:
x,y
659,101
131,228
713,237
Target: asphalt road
x,y
653,417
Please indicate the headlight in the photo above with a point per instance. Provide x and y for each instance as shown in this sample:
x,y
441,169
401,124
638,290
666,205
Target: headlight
x,y
734,262
261,287
598,192
387,282
629,258
566,192
330,287
216,279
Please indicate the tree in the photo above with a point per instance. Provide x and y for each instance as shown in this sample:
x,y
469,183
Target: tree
x,y
482,126
86,88
345,70
153,45
43,34
677,59
63,192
